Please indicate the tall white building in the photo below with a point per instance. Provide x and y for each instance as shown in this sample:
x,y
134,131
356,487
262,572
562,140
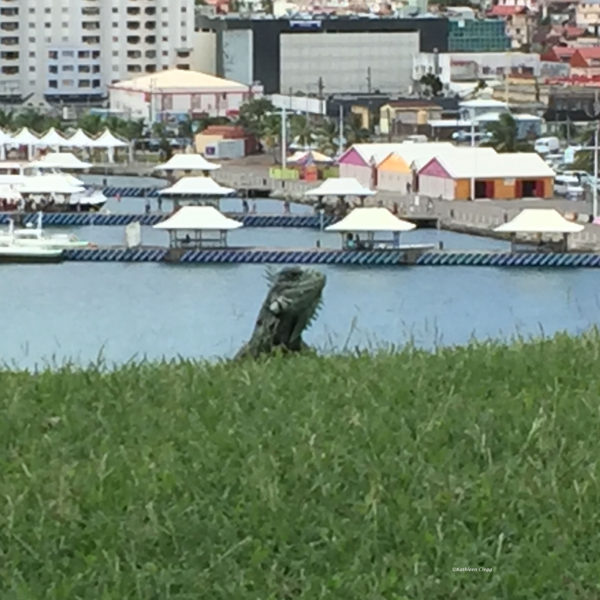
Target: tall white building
x,y
71,50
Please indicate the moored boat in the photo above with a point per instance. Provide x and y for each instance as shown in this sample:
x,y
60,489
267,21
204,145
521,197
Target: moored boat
x,y
35,237
11,253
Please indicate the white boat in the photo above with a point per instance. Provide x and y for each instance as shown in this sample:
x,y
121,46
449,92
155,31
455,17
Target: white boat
x,y
26,254
34,237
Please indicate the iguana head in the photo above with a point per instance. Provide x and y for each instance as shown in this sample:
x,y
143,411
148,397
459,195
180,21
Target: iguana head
x,y
291,304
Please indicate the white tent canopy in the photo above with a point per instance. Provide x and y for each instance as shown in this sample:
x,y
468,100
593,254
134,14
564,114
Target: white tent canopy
x,y
372,219
10,194
307,155
107,140
51,138
25,138
80,139
340,186
539,220
187,162
60,160
198,218
5,138
196,186
51,184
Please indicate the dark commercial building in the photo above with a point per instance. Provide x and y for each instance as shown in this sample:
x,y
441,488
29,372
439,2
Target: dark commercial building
x,y
323,56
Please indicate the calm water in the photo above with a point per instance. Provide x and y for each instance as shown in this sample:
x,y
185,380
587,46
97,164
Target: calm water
x,y
77,311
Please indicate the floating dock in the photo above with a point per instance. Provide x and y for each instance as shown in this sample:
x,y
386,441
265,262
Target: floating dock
x,y
82,219
410,256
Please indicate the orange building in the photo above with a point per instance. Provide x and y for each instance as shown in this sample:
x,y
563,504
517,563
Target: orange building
x,y
508,176
394,174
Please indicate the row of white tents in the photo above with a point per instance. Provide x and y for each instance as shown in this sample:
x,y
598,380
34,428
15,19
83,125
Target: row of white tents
x,y
55,140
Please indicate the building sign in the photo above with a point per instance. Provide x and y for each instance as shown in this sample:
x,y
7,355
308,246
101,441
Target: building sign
x,y
305,24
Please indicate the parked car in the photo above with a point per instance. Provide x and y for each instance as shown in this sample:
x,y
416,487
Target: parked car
x,y
466,136
568,185
546,145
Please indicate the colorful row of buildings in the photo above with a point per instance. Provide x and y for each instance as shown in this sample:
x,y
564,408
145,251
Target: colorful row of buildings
x,y
442,170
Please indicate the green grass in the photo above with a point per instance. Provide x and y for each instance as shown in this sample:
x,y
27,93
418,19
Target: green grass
x,y
350,477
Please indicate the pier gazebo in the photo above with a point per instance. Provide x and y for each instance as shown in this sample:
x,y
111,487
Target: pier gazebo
x,y
370,221
340,187
188,163
188,226
539,221
196,190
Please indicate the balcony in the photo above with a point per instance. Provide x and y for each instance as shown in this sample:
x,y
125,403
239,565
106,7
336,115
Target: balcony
x,y
9,55
8,26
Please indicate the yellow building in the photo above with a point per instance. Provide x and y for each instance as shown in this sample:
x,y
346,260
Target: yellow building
x,y
394,174
404,116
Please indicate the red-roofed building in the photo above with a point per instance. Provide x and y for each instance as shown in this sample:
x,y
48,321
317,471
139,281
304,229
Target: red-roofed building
x,y
585,61
559,54
519,22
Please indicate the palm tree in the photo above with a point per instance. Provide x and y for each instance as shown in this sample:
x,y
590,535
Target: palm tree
x,y
270,133
327,136
505,136
6,119
301,130
355,132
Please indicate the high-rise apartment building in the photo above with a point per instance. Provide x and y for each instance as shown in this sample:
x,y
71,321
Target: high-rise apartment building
x,y
70,50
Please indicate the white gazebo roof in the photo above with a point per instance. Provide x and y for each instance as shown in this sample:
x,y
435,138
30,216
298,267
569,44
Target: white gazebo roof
x,y
371,219
48,184
340,186
187,162
199,218
539,220
196,186
60,160
80,139
107,140
51,138
25,138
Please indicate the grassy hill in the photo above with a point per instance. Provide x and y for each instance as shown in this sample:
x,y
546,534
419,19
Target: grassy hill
x,y
350,477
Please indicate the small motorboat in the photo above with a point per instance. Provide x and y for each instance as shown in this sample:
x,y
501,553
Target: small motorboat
x,y
11,253
34,237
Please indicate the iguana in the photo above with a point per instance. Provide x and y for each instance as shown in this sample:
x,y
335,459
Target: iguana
x,y
290,306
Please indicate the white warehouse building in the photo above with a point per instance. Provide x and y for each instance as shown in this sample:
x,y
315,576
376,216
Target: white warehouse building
x,y
71,50
177,92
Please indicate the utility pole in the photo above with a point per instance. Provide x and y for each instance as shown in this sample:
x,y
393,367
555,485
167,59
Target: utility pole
x,y
595,114
474,154
283,138
341,132
369,80
320,87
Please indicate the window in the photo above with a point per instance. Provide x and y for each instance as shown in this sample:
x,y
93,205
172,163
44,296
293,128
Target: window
x,y
52,83
68,68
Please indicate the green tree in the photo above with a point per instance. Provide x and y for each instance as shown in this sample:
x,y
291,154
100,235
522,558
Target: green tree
x,y
354,132
327,136
431,84
504,136
302,132
6,119
35,120
270,134
253,115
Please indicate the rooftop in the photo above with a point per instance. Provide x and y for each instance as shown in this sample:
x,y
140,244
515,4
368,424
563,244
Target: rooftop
x,y
340,186
198,218
371,219
179,79
196,186
462,165
539,220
